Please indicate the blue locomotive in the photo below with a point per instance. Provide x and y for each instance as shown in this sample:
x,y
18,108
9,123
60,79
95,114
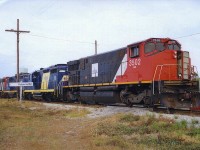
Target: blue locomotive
x,y
47,83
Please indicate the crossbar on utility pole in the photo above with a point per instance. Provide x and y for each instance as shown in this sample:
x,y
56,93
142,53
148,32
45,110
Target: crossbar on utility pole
x,y
18,32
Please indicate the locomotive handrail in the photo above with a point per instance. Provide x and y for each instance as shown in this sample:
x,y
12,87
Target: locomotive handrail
x,y
196,75
58,88
159,75
195,70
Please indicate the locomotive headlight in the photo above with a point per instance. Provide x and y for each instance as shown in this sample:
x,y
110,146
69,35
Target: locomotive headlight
x,y
179,75
175,56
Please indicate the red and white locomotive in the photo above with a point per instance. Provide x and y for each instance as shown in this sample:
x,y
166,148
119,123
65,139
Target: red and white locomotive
x,y
153,72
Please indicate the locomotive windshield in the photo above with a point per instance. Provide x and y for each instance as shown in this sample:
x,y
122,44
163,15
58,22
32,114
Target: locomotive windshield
x,y
173,47
159,46
62,71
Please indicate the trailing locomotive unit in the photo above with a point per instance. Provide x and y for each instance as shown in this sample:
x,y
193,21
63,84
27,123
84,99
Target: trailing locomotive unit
x,y
6,90
10,92
154,72
47,83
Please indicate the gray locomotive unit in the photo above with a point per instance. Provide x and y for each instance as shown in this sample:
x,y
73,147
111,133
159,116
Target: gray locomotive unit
x,y
90,78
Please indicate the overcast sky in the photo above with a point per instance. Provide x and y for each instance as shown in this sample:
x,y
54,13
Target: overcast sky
x,y
64,30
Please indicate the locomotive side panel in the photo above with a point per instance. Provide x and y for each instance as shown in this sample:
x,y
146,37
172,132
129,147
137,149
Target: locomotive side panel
x,y
100,68
74,73
37,79
96,69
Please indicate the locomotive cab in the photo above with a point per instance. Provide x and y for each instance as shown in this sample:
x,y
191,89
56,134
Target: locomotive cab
x,y
158,59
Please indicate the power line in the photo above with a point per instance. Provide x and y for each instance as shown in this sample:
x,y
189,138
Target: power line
x,y
59,39
46,7
54,38
187,35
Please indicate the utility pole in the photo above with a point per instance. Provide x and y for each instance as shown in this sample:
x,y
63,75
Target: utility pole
x,y
18,32
95,47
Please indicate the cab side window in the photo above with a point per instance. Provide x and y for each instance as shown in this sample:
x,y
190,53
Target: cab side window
x,y
134,51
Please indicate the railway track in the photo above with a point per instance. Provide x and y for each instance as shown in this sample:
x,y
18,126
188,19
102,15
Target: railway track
x,y
165,110
162,110
177,111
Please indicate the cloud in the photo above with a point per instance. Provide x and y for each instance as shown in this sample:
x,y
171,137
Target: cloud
x,y
113,24
3,2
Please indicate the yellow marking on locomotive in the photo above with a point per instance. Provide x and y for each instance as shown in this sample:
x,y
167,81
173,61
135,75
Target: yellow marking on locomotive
x,y
105,84
39,91
9,91
45,81
146,81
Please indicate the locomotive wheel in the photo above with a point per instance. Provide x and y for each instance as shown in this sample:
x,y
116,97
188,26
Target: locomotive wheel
x,y
124,96
46,97
29,96
147,101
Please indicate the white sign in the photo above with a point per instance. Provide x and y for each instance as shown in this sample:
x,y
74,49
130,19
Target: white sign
x,y
21,84
95,70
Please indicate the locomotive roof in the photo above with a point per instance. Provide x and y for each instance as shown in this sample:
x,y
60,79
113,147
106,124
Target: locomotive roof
x,y
51,67
135,43
103,53
138,42
56,66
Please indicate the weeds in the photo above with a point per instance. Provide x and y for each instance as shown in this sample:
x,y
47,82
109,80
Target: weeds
x,y
115,141
194,122
182,125
76,112
175,117
38,128
129,118
122,131
147,131
116,129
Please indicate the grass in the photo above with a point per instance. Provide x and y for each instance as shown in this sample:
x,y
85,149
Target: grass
x,y
75,112
127,131
29,125
22,127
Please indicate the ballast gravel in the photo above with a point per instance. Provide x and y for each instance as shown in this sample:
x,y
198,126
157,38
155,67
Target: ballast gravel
x,y
96,112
